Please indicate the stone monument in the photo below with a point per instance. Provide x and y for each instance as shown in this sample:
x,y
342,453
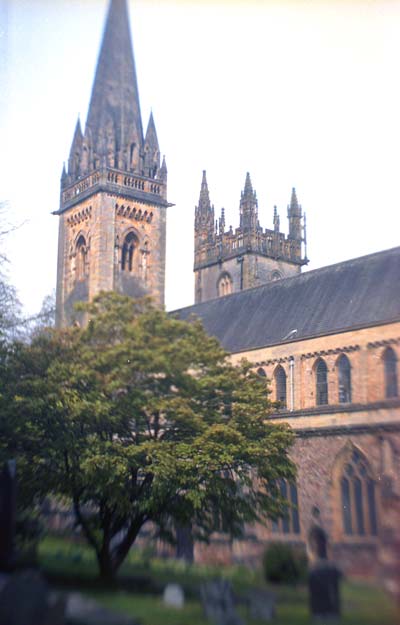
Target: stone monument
x,y
323,578
218,603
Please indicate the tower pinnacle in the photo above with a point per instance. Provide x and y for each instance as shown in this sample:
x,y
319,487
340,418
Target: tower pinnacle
x,y
248,207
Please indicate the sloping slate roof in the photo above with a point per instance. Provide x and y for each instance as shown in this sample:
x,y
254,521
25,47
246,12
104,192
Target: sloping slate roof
x,y
359,292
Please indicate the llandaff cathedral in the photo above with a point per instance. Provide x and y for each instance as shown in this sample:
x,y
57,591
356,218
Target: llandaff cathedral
x,y
328,339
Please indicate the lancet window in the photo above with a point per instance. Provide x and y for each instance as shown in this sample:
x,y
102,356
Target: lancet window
x,y
321,379
280,386
225,285
290,521
358,498
344,379
81,258
390,372
128,250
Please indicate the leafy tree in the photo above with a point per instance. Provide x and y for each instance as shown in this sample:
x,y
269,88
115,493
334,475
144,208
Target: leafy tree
x,y
139,417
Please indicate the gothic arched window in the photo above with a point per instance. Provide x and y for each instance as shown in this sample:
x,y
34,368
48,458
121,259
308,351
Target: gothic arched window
x,y
261,372
128,249
280,386
81,258
224,286
390,370
357,491
321,378
290,521
344,379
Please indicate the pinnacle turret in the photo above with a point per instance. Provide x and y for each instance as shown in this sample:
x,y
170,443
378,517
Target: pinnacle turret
x,y
163,171
204,214
151,150
276,220
295,217
248,207
75,154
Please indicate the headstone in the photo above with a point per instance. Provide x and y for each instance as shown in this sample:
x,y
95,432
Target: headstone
x,y
7,515
173,596
218,603
261,605
323,583
23,600
80,609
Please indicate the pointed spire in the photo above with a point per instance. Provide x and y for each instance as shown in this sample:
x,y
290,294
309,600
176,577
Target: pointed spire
x,y
248,187
163,171
204,199
295,217
294,205
151,150
204,215
114,121
75,154
248,207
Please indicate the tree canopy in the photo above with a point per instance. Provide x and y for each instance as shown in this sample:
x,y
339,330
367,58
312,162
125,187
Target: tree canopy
x,y
138,417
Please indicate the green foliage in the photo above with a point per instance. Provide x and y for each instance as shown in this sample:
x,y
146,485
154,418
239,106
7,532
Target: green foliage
x,y
284,564
139,418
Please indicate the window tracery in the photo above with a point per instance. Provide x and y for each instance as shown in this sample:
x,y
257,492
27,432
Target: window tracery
x,y
225,285
290,521
128,250
358,497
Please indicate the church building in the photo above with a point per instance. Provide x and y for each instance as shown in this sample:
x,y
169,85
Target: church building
x,y
328,339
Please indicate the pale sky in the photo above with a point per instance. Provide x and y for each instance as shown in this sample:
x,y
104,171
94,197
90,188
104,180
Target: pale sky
x,y
303,94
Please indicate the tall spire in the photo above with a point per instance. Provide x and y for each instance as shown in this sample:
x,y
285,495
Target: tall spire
x,y
248,207
114,124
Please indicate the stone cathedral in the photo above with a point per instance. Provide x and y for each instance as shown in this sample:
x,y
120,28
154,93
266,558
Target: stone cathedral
x,y
328,340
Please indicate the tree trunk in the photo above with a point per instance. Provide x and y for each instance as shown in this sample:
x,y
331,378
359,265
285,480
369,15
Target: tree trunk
x,y
107,570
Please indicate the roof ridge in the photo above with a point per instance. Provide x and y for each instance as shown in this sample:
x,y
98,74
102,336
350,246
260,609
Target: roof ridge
x,y
284,281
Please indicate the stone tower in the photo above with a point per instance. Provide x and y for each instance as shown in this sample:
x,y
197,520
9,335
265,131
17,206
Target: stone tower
x,y
114,193
226,261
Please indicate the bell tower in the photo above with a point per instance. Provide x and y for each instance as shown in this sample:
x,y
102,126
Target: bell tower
x,y
113,202
227,260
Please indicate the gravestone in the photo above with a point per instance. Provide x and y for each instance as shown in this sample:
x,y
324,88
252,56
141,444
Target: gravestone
x,y
323,579
7,516
218,603
173,596
81,610
323,583
261,605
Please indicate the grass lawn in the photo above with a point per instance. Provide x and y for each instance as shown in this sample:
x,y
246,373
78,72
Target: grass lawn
x,y
73,566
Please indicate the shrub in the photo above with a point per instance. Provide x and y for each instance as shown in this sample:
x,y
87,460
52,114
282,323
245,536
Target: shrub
x,y
284,564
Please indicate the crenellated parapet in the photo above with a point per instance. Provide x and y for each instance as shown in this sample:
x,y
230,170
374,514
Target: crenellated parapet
x,y
228,260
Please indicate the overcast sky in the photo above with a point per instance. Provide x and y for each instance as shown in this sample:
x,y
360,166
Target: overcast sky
x,y
303,94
